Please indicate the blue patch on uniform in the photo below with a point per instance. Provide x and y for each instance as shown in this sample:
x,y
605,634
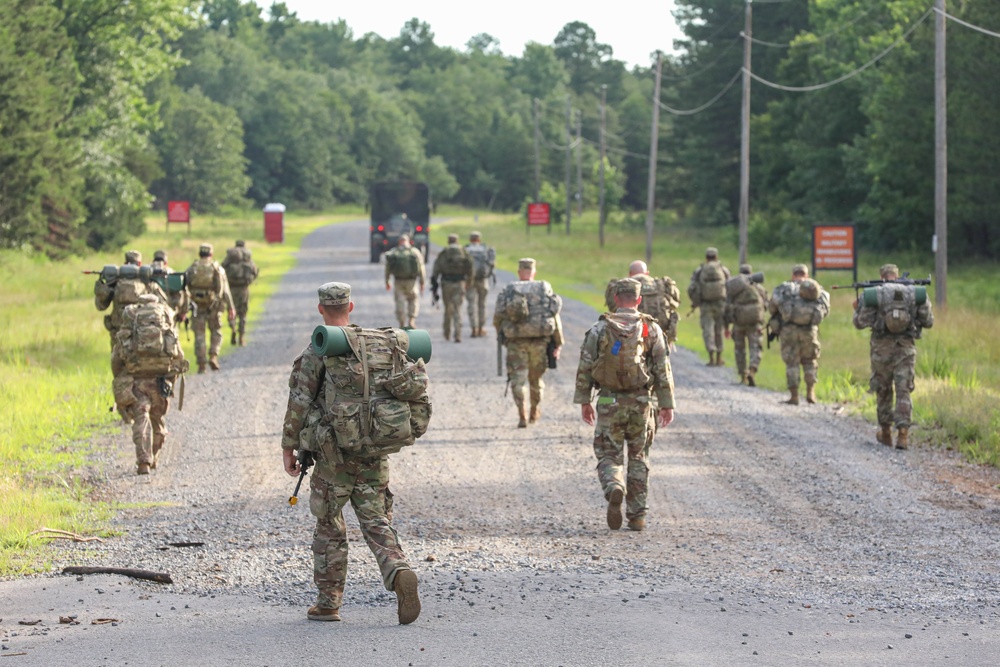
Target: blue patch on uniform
x,y
617,346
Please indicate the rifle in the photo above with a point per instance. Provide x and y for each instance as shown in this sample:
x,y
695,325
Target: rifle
x,y
435,297
902,280
108,274
192,312
500,343
771,335
305,462
550,353
232,330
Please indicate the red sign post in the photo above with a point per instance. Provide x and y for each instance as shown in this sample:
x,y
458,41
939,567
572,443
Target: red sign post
x,y
179,211
834,248
539,214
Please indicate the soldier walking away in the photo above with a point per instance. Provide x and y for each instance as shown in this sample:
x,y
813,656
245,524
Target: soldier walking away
x,y
210,294
406,266
179,300
453,269
896,314
351,450
484,259
240,272
526,317
661,299
146,360
708,292
124,288
797,307
625,358
746,307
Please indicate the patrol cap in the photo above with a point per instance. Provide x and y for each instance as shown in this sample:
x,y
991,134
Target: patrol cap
x,y
240,243
404,239
886,269
711,252
133,257
526,263
160,256
475,236
800,268
452,238
746,268
205,249
334,294
629,287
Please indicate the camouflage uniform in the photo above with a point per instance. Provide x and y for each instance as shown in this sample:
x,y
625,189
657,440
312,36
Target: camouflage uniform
x,y
713,323
104,296
453,267
747,336
337,479
800,344
212,305
894,357
479,288
667,320
626,418
178,301
239,288
406,290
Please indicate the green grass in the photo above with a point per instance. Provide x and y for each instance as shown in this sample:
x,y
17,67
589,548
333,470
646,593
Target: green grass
x,y
958,362
55,378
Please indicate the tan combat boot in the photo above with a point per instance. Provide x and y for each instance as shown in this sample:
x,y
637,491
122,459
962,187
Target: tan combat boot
x,y
323,614
201,366
408,604
412,323
637,523
750,379
743,378
535,414
884,434
793,398
213,363
232,338
903,437
711,359
242,342
615,509
811,393
718,359
143,469
522,420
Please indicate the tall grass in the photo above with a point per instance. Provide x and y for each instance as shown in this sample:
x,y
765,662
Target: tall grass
x,y
958,361
55,374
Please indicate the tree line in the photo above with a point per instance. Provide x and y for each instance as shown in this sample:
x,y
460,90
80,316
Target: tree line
x,y
109,107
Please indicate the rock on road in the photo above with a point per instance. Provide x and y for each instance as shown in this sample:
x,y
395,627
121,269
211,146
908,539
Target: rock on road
x,y
777,535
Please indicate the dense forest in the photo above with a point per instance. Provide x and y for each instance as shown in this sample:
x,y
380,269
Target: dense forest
x,y
109,107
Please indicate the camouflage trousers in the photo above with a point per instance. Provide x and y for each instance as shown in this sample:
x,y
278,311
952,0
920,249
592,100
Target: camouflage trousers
x,y
800,346
893,362
526,363
148,415
241,299
453,293
625,423
210,316
476,298
364,484
713,324
747,337
404,291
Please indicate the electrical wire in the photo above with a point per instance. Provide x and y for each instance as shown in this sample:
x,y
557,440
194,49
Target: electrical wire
x,y
841,79
967,24
691,112
819,38
733,42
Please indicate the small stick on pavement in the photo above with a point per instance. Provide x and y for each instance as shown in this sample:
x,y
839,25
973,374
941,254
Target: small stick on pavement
x,y
57,534
158,577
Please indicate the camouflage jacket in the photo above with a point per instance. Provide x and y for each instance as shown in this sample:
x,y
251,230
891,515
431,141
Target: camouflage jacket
x,y
305,386
657,360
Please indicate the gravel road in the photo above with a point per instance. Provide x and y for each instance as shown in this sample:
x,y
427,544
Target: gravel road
x,y
776,534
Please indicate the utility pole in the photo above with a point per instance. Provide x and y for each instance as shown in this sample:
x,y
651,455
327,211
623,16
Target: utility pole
x,y
654,141
940,157
600,204
579,163
538,165
745,136
569,162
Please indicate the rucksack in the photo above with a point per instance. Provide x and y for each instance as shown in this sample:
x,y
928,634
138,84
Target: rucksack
x,y
240,270
747,301
897,307
528,309
622,348
483,259
660,298
795,309
376,398
148,341
712,282
403,263
453,261
202,276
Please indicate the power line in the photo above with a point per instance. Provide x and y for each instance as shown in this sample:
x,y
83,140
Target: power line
x,y
828,84
819,38
725,51
691,112
967,24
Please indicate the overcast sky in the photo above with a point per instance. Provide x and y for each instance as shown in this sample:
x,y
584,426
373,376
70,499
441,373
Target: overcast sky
x,y
633,29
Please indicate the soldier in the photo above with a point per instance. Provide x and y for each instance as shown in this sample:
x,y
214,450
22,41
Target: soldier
x,y
125,290
240,273
453,267
708,292
484,260
896,320
624,356
146,360
527,321
406,265
797,307
340,476
178,300
210,293
660,298
746,305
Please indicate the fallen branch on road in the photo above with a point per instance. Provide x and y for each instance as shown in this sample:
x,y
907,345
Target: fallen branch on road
x,y
57,534
158,577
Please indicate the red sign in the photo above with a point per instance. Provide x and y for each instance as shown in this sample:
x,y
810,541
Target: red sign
x,y
833,247
539,213
178,211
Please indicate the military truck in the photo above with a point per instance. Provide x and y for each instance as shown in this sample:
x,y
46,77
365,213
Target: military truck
x,y
397,208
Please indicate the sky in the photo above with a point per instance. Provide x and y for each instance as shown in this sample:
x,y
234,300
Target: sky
x,y
632,29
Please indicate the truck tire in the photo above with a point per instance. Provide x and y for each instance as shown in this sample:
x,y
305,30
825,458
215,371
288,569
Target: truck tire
x,y
375,255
